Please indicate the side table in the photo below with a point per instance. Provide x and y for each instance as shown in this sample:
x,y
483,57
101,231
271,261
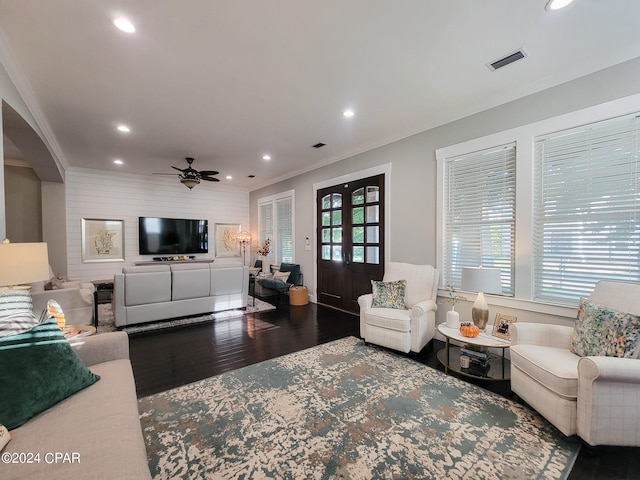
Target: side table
x,y
449,356
252,288
102,294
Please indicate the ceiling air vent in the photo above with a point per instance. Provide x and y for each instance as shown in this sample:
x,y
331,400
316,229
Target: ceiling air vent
x,y
507,59
319,145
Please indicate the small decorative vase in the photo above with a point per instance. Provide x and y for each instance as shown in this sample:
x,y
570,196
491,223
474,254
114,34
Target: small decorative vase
x,y
453,319
266,267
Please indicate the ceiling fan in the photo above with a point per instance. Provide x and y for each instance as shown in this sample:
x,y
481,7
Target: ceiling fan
x,y
190,177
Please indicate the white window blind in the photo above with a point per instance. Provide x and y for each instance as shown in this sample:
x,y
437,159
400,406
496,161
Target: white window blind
x,y
284,233
479,213
265,227
276,222
586,209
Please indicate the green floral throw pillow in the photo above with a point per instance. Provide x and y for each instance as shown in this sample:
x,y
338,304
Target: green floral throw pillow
x,y
603,331
389,294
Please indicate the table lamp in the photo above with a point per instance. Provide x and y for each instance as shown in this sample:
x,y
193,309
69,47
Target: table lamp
x,y
21,263
481,280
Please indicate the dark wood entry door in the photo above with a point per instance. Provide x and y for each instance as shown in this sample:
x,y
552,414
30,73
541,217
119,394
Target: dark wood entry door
x,y
350,241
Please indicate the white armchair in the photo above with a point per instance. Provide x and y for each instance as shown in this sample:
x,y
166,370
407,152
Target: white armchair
x,y
403,330
596,397
75,298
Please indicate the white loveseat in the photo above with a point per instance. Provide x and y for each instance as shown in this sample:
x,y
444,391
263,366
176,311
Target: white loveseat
x,y
158,292
407,329
74,297
596,397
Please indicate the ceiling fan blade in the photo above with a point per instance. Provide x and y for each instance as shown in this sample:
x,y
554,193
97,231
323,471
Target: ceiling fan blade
x,y
179,169
209,179
208,172
166,174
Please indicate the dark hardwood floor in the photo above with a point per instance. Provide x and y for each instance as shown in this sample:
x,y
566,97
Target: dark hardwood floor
x,y
167,359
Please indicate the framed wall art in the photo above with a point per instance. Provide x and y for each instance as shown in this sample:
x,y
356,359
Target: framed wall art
x,y
226,238
501,325
102,240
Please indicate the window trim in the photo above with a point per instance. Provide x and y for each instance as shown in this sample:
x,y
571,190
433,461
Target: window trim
x,y
272,200
524,138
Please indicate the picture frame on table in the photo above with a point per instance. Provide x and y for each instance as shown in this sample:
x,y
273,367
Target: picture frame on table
x,y
102,240
501,325
226,240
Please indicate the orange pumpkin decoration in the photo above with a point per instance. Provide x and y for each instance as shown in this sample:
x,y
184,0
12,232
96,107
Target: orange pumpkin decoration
x,y
469,330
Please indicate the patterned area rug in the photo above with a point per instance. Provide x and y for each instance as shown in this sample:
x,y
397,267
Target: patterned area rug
x,y
106,321
346,410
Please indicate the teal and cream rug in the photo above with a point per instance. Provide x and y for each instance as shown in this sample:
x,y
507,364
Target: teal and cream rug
x,y
346,410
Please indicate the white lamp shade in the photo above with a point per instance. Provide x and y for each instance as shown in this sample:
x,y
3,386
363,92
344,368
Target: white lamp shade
x,y
22,263
480,279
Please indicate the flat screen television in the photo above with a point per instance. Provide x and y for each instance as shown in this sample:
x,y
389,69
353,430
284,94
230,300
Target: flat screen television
x,y
172,236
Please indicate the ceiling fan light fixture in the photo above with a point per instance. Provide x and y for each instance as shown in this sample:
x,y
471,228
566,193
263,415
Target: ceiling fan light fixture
x,y
556,4
190,177
189,182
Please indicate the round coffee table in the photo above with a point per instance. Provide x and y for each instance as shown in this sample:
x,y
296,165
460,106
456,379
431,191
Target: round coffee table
x,y
449,356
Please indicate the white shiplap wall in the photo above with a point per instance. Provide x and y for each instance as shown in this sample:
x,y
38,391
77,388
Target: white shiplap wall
x,y
118,196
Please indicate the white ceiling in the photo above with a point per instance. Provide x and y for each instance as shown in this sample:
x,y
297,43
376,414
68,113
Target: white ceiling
x,y
227,81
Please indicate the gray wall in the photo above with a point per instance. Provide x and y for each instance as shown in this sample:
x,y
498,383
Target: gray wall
x,y
54,218
24,205
412,209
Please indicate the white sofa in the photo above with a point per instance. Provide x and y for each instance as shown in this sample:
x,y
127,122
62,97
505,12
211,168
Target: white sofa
x,y
157,292
409,329
98,427
596,397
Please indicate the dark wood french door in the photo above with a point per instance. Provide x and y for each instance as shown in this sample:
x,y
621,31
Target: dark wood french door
x,y
350,241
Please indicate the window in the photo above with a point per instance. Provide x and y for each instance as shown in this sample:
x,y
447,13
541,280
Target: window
x,y
586,208
569,218
479,211
275,222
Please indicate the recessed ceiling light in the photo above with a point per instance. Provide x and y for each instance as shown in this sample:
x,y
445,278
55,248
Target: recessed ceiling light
x,y
557,4
266,157
117,161
124,24
123,128
348,113
229,177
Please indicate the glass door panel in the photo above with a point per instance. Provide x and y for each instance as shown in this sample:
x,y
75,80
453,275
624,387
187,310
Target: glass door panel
x,y
373,194
373,214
